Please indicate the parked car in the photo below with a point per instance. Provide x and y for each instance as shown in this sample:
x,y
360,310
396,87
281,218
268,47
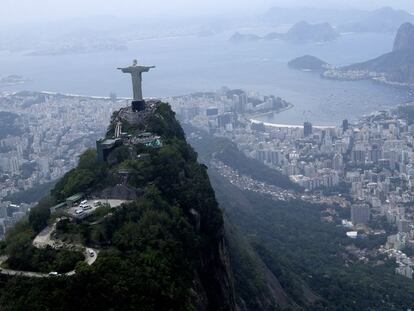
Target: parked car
x,y
79,211
86,207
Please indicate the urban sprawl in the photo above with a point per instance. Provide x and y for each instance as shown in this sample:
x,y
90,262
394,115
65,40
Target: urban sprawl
x,y
367,165
45,141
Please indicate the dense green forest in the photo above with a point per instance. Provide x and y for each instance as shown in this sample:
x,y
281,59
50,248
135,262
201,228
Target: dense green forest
x,y
159,252
298,248
31,195
24,256
301,251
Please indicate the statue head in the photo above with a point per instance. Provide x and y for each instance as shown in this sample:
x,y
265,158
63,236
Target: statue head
x,y
134,62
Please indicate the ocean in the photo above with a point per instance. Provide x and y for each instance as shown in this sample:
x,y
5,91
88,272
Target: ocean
x,y
190,64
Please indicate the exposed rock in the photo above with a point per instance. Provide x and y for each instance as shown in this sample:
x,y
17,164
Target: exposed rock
x,y
137,118
120,192
405,38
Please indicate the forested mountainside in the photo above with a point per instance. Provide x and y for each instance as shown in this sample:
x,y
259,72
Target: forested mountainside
x,y
285,257
162,249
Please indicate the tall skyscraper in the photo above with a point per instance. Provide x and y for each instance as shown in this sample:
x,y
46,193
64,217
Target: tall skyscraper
x,y
307,129
337,162
240,102
345,125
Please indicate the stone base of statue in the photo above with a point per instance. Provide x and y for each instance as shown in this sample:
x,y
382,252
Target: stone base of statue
x,y
138,105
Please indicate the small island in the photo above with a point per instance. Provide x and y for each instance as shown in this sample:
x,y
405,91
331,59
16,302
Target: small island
x,y
12,80
308,63
238,37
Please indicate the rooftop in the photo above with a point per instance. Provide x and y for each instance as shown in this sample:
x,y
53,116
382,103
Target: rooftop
x,y
75,197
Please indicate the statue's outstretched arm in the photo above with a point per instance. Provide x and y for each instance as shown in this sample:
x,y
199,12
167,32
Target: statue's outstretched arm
x,y
148,68
125,70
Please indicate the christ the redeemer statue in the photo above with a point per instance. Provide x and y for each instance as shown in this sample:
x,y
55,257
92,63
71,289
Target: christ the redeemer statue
x,y
136,73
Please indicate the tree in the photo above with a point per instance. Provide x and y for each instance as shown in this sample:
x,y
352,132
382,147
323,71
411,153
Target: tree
x,y
39,216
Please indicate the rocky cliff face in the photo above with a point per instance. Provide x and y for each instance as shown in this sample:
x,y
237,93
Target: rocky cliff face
x,y
405,38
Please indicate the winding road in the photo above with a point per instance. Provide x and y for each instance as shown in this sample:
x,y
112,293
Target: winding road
x,y
44,239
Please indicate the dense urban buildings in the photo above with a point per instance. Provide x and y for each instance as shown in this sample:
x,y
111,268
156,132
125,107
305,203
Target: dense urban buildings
x,y
44,135
369,162
366,165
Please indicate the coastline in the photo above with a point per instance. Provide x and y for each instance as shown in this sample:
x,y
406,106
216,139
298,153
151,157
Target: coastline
x,y
263,114
82,96
279,125
253,119
380,80
68,95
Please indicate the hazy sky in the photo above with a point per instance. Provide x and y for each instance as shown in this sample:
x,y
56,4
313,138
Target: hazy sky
x,y
29,10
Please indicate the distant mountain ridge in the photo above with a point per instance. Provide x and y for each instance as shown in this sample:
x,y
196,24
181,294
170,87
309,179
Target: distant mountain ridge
x,y
385,19
281,15
302,32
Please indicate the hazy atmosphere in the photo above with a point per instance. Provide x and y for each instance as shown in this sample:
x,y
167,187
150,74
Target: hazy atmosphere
x,y
26,10
206,155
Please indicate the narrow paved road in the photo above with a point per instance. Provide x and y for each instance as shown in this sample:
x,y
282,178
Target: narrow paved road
x,y
43,239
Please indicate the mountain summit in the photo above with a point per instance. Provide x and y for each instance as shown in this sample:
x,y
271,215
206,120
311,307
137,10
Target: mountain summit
x,y
405,38
304,32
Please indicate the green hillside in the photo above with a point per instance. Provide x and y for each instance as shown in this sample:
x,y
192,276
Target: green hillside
x,y
162,251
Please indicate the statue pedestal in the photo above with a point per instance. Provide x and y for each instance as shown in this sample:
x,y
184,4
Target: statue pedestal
x,y
138,105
